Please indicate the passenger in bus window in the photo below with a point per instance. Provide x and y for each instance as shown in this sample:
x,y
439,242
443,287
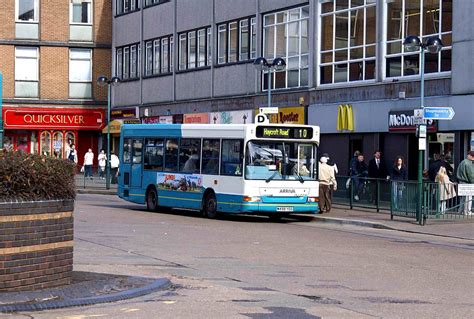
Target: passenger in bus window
x,y
190,166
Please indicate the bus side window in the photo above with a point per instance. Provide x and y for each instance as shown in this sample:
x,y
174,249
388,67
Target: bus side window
x,y
232,157
137,151
153,154
171,155
210,156
127,151
190,155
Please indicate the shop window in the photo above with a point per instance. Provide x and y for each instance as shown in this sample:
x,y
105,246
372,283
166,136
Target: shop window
x,y
45,143
58,144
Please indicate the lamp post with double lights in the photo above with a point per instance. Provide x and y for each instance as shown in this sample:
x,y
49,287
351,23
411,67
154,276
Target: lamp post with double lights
x,y
262,64
102,81
433,45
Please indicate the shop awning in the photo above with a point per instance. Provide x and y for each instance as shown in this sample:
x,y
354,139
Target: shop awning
x,y
115,126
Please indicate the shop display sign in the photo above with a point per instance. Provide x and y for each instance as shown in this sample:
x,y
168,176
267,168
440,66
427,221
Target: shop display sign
x,y
151,120
288,115
123,113
166,119
405,122
47,118
232,117
196,118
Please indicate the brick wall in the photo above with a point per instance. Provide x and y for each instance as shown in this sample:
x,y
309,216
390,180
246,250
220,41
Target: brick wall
x,y
54,73
101,66
7,67
54,20
7,16
36,244
103,21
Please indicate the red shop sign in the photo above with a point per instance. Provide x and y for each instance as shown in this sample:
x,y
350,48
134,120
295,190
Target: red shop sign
x,y
49,118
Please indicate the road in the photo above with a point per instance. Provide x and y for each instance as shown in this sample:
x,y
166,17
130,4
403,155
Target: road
x,y
248,267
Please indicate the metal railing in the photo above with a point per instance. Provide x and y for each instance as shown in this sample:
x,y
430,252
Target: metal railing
x,y
96,181
400,198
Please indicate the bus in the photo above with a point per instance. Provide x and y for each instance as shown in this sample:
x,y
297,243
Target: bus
x,y
268,169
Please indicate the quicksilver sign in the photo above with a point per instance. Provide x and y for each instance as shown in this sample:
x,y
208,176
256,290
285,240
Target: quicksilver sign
x,y
404,121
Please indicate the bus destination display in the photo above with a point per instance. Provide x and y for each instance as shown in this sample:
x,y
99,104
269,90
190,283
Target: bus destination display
x,y
285,132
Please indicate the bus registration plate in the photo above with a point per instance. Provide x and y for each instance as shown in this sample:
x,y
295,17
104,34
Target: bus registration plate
x,y
284,209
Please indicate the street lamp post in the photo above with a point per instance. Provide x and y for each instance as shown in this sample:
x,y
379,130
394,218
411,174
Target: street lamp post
x,y
102,81
262,64
433,45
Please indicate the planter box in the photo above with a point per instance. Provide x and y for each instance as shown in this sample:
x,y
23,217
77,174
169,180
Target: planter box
x,y
36,244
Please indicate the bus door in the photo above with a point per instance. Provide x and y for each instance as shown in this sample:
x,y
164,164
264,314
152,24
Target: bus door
x,y
136,170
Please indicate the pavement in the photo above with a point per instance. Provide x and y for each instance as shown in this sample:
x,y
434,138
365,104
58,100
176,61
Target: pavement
x,y
462,228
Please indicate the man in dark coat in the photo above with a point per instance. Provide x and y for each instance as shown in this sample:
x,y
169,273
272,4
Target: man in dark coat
x,y
377,170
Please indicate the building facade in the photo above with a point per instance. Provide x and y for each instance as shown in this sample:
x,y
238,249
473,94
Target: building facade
x,y
51,52
177,58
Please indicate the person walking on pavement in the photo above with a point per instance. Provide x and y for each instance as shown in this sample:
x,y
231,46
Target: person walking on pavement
x,y
326,178
88,162
398,174
352,161
114,166
465,175
446,188
377,170
360,172
72,154
331,163
102,159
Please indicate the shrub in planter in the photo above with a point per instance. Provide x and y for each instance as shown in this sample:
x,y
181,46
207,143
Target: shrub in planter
x,y
30,177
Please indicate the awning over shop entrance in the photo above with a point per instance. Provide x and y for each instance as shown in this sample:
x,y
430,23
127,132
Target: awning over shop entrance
x,y
115,126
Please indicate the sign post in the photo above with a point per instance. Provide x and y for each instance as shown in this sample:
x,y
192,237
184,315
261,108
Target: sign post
x,y
438,113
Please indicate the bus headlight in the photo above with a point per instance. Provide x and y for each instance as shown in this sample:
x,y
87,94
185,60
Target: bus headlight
x,y
252,199
313,199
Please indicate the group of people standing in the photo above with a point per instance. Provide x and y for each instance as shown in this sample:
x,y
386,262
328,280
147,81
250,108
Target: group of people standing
x,y
89,163
361,175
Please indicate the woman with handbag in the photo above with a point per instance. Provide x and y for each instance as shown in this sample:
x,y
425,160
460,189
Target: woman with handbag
x,y
446,188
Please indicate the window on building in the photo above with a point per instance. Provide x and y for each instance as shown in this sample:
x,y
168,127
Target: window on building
x,y
348,41
193,48
81,11
26,72
127,62
424,19
126,6
149,3
27,10
236,42
285,35
158,56
80,73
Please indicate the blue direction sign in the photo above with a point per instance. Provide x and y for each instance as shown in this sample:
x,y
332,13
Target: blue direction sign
x,y
438,113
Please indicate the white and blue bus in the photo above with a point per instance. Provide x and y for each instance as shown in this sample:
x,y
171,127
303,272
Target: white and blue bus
x,y
266,169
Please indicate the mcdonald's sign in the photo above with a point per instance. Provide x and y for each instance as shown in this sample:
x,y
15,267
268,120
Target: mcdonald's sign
x,y
345,118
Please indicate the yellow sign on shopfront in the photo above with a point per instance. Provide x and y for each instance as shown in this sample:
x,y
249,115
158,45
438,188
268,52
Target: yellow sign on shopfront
x,y
287,115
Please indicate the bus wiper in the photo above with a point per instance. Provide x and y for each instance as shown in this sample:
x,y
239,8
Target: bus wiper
x,y
271,177
300,178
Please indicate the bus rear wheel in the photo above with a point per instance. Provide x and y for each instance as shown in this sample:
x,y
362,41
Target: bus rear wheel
x,y
152,200
210,206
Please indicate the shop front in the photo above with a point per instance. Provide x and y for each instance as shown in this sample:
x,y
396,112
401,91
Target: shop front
x,y
51,131
287,115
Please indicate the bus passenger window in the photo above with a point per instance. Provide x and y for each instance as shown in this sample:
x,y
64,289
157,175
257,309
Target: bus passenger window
x,y
137,151
210,156
127,151
232,157
190,155
153,154
171,155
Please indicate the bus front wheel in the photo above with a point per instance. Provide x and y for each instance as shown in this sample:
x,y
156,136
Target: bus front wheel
x,y
152,200
210,205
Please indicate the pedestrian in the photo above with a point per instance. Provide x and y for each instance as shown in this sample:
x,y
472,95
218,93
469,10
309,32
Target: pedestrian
x,y
465,175
331,163
72,153
326,178
102,159
114,166
377,172
88,162
434,167
352,161
398,174
446,188
359,175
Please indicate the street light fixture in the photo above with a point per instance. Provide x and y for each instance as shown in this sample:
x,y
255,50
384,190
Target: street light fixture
x,y
261,64
433,45
102,81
